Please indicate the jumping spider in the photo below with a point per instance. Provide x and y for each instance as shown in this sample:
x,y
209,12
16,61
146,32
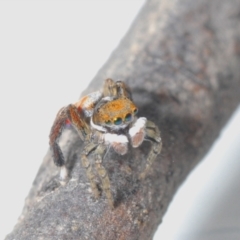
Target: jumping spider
x,y
105,119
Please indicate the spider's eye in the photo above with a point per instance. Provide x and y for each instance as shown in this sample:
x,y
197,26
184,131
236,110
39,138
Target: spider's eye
x,y
135,111
128,117
117,121
108,122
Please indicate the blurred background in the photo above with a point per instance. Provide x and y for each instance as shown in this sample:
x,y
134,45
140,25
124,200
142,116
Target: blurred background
x,y
49,52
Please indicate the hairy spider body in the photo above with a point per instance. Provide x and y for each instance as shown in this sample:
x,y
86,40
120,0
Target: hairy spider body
x,y
104,119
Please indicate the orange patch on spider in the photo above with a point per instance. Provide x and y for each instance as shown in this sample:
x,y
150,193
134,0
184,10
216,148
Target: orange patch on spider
x,y
112,110
118,105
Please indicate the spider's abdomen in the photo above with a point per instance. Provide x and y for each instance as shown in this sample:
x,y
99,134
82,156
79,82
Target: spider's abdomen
x,y
116,113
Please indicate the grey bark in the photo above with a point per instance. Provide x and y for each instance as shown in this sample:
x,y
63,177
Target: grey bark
x,y
181,60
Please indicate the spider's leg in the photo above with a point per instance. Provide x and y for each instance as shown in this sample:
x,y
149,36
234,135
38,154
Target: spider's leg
x,y
100,152
77,119
87,165
109,88
86,104
116,89
123,90
82,110
153,134
66,114
54,136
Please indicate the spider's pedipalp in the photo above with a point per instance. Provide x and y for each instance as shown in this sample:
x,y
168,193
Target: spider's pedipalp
x,y
118,142
137,132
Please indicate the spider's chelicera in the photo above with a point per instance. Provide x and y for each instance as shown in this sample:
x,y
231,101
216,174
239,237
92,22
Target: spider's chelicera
x,y
104,119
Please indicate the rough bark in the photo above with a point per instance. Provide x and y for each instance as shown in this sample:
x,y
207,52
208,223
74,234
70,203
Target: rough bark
x,y
181,60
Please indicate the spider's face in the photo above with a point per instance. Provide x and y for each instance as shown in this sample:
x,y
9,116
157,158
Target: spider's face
x,y
115,114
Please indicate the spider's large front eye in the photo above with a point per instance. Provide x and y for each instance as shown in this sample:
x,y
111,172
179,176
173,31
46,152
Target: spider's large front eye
x,y
128,117
117,121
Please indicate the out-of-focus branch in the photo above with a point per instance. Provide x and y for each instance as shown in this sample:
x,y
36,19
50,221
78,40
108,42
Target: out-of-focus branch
x,y
181,60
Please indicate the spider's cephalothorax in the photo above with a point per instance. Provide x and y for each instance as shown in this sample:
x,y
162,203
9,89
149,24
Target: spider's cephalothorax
x,y
105,119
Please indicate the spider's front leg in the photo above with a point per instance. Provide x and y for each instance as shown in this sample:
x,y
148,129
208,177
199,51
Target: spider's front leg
x,y
145,129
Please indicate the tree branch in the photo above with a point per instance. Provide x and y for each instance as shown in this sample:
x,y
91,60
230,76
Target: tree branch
x,y
181,60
